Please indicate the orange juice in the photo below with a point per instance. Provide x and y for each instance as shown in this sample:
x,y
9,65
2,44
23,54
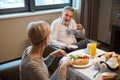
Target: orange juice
x,y
93,49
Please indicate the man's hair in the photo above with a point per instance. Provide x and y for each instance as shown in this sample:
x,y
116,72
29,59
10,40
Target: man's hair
x,y
68,8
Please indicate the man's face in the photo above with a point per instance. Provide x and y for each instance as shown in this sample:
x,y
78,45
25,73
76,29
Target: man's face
x,y
67,16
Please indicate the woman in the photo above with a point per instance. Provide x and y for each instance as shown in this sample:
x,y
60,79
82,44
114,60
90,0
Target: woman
x,y
33,65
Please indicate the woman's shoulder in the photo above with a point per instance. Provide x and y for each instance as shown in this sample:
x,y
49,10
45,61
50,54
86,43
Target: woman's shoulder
x,y
32,63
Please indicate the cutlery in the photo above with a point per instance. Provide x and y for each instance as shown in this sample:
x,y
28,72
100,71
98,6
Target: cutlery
x,y
100,55
96,74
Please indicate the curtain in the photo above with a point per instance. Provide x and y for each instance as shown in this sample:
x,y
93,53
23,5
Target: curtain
x,y
89,17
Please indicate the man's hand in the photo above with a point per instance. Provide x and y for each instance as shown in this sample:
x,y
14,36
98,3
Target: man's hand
x,y
79,26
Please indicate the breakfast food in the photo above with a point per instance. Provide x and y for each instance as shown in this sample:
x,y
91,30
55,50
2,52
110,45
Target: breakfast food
x,y
110,76
80,60
112,60
110,55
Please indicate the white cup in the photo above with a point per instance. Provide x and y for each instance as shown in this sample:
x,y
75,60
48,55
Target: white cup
x,y
103,67
97,64
88,47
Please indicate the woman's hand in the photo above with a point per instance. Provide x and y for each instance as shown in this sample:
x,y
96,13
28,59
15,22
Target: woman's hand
x,y
58,53
67,63
64,65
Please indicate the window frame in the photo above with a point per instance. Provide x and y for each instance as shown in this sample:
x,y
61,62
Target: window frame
x,y
15,10
54,6
30,7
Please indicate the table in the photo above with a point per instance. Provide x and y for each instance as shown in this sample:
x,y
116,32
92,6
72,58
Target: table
x,y
86,73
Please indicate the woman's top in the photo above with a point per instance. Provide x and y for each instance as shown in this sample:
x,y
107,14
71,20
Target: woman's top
x,y
32,68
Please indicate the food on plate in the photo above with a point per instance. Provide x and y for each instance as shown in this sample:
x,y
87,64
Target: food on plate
x,y
80,60
110,55
112,60
109,76
112,63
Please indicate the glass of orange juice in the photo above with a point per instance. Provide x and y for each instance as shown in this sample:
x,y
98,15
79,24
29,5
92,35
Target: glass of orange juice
x,y
93,47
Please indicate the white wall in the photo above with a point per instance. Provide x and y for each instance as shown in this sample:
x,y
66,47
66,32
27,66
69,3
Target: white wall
x,y
13,37
13,34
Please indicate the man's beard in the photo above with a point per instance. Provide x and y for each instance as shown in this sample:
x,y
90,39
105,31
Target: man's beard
x,y
66,22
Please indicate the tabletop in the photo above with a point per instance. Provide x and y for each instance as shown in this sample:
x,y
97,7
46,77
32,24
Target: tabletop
x,y
84,73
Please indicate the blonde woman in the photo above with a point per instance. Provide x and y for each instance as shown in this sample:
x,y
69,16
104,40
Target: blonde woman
x,y
33,65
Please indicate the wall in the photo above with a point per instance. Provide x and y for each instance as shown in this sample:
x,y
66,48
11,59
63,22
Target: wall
x,y
115,12
13,39
13,36
104,33
107,16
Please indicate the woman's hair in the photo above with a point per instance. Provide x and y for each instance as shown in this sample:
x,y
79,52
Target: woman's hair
x,y
38,31
68,8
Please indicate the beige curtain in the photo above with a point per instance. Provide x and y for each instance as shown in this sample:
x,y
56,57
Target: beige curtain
x,y
89,17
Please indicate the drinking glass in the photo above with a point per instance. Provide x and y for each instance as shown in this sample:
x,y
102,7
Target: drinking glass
x,y
93,47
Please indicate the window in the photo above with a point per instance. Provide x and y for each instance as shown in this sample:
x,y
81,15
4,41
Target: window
x,y
50,2
5,4
13,6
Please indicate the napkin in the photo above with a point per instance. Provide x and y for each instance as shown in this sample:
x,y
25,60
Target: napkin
x,y
112,63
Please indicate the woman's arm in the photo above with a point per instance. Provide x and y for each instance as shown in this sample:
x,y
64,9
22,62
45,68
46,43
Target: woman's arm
x,y
63,69
58,53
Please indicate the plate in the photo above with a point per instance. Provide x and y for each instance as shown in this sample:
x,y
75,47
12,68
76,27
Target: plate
x,y
73,46
77,52
80,53
84,66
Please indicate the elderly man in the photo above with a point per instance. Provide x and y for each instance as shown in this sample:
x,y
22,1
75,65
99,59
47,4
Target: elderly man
x,y
64,31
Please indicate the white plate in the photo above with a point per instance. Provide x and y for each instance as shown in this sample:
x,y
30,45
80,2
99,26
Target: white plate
x,y
79,53
84,66
73,46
